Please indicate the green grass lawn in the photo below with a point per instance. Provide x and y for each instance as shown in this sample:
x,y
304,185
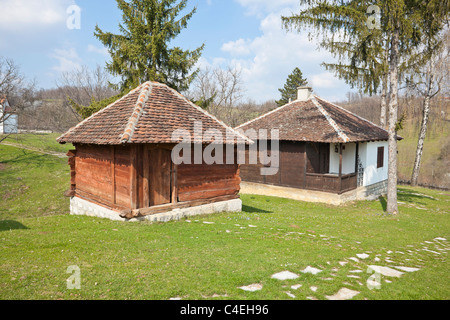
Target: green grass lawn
x,y
191,259
44,142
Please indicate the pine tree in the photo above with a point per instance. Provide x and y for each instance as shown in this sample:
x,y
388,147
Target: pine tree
x,y
289,91
141,51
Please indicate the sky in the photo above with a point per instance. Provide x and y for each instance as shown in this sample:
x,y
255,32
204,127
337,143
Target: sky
x,y
48,37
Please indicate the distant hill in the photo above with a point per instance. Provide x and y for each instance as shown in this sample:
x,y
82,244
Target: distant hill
x,y
435,165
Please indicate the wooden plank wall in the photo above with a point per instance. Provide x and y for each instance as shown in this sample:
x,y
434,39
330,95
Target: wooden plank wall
x,y
122,186
103,175
291,167
202,181
93,172
139,176
318,155
292,163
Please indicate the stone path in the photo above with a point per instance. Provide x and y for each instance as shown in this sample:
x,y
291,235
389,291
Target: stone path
x,y
366,269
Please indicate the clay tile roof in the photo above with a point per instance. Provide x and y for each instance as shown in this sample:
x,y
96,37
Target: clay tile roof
x,y
316,120
6,108
150,114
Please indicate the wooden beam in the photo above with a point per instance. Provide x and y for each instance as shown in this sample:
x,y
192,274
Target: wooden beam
x,y
146,177
305,159
174,183
113,174
129,214
133,177
356,157
340,168
100,201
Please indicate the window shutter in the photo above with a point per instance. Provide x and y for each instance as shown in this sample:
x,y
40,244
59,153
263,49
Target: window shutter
x,y
380,157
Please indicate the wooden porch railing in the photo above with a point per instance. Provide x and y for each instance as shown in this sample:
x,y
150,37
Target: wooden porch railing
x,y
331,182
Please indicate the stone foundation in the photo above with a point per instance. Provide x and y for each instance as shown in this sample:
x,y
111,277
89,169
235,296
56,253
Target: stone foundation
x,y
80,206
362,193
373,191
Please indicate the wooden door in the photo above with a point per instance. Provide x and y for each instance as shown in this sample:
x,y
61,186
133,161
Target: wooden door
x,y
160,163
318,157
292,164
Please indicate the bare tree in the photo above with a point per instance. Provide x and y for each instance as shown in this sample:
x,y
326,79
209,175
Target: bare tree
x,y
220,91
83,86
13,87
430,79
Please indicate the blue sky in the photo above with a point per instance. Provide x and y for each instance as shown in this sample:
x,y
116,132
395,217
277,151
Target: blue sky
x,y
246,34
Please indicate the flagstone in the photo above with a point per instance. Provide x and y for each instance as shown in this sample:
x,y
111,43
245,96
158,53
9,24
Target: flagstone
x,y
252,287
290,294
312,270
407,269
431,251
284,275
343,294
373,284
386,271
362,255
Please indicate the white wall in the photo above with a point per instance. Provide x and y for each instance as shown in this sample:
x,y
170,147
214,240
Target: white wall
x,y
368,154
348,158
10,124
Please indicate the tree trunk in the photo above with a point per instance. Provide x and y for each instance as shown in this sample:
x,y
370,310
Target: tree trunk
x,y
383,102
424,125
392,207
384,87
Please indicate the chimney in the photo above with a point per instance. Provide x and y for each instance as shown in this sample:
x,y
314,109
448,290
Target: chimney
x,y
304,93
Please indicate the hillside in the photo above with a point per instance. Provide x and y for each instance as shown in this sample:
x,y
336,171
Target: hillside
x,y
435,165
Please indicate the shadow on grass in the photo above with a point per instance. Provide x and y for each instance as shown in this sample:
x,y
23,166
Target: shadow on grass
x,y
8,225
383,202
406,195
250,209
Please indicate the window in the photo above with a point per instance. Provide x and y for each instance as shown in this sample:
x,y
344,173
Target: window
x,y
380,157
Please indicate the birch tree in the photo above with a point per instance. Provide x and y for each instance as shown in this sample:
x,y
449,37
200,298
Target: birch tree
x,y
427,82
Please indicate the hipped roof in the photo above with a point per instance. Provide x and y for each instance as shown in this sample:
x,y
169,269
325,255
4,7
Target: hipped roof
x,y
317,120
150,114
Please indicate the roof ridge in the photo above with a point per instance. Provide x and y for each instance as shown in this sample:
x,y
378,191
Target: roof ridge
x,y
268,113
330,120
97,113
352,113
137,112
207,114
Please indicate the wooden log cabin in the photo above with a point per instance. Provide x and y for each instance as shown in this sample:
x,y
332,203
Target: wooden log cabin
x,y
122,165
322,147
